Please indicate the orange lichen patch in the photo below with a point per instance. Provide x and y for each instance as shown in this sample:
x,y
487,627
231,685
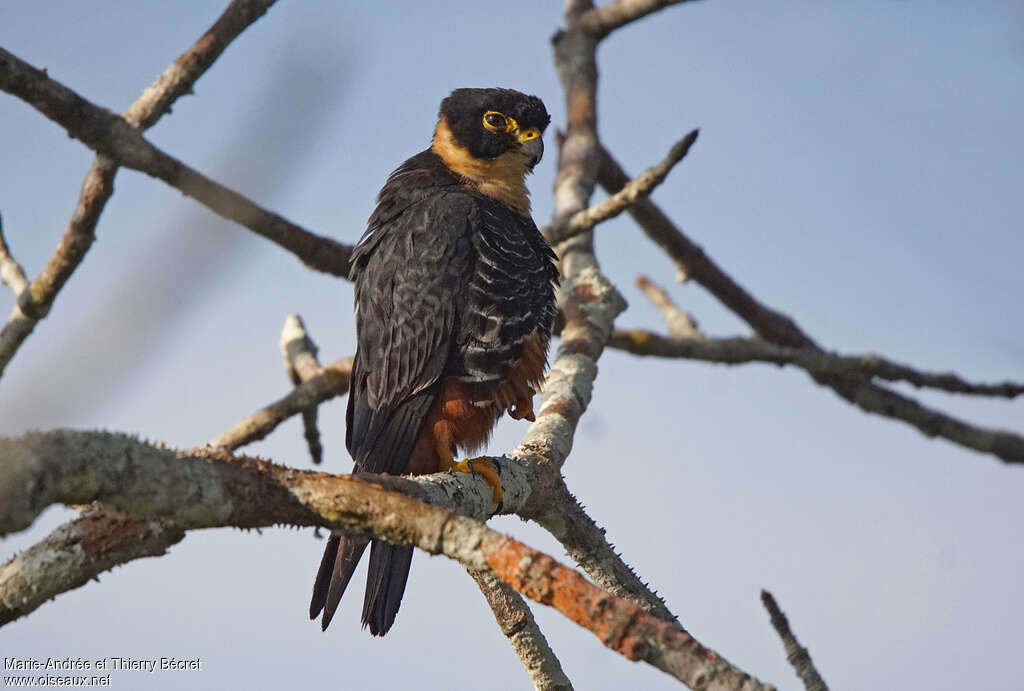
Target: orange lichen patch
x,y
541,578
503,178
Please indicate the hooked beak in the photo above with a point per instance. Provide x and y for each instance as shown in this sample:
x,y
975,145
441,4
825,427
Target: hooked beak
x,y
534,148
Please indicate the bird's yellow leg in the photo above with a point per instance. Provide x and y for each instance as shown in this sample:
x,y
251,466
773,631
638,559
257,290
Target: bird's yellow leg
x,y
482,466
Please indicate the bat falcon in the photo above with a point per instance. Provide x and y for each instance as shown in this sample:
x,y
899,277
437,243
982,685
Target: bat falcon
x,y
454,302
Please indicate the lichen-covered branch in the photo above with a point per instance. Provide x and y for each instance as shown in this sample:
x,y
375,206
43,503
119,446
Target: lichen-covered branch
x,y
115,138
301,365
76,553
520,628
176,81
587,545
795,653
194,490
630,194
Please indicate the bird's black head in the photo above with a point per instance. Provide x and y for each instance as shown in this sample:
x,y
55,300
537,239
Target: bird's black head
x,y
491,122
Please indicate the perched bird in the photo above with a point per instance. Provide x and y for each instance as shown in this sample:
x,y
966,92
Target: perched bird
x,y
454,293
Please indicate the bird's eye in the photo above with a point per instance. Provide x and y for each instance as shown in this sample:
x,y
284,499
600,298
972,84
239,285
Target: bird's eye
x,y
494,120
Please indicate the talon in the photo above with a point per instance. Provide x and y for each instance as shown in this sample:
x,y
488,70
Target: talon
x,y
523,409
481,466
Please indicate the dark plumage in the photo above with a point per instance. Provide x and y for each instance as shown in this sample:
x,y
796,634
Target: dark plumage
x,y
454,290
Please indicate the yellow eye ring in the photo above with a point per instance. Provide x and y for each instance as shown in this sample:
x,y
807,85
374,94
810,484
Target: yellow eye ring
x,y
495,121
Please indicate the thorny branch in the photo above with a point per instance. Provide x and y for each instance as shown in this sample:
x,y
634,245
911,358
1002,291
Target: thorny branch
x,y
156,100
193,490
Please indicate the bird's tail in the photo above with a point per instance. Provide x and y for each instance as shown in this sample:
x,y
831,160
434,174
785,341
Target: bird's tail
x,y
385,580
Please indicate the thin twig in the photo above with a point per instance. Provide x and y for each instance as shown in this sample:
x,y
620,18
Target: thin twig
x,y
176,81
630,194
301,365
601,21
692,262
115,138
210,489
520,628
795,653
332,380
680,324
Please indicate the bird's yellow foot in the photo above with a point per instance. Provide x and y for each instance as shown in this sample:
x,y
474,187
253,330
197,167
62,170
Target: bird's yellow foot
x,y
481,466
523,409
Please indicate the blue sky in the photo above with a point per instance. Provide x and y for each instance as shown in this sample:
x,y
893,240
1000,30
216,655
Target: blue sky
x,y
858,168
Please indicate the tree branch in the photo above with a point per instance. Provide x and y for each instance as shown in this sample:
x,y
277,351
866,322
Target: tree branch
x,y
301,365
76,553
781,330
115,138
590,305
176,81
601,21
630,194
11,272
520,628
846,375
216,490
680,324
692,262
795,653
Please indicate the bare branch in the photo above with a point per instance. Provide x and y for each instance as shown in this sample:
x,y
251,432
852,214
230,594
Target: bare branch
x,y
601,21
76,553
587,545
113,137
520,628
11,272
176,81
301,365
331,381
215,490
630,194
847,376
795,653
680,324
738,350
781,330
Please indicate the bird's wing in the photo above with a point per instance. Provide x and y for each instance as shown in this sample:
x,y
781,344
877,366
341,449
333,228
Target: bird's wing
x,y
409,285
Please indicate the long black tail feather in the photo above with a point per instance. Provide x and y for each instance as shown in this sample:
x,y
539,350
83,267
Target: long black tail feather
x,y
385,584
341,556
